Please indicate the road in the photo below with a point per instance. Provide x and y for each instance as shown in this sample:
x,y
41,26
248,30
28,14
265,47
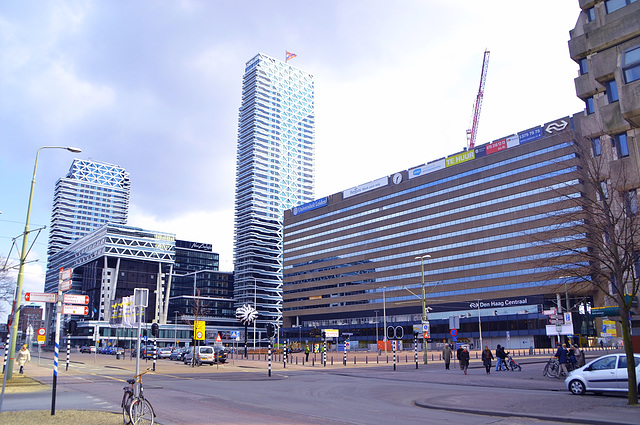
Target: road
x,y
242,393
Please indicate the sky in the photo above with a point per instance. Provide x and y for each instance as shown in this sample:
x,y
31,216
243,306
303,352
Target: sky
x,y
155,86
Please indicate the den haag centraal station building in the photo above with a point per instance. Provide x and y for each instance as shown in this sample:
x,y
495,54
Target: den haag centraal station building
x,y
350,259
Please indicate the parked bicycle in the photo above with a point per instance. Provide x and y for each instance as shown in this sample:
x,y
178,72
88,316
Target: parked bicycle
x,y
136,409
552,368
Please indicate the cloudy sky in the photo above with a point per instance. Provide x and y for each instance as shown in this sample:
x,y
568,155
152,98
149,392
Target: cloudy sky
x,y
154,86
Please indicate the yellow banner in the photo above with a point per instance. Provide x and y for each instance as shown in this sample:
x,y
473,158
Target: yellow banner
x,y
198,330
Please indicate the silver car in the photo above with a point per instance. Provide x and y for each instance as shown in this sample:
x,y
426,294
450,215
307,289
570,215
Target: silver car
x,y
604,374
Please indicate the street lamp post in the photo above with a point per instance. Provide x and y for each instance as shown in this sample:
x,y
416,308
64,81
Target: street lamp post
x,y
424,302
23,257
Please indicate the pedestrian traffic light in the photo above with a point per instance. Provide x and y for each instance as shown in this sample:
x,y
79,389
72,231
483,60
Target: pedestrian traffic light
x,y
324,335
72,327
155,329
271,330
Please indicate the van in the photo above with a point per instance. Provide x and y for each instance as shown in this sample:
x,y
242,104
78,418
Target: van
x,y
204,355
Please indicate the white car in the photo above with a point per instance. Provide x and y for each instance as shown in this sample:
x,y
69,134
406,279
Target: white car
x,y
604,374
164,352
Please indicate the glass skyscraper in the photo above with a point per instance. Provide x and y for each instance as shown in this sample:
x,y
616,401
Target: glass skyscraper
x,y
90,196
274,172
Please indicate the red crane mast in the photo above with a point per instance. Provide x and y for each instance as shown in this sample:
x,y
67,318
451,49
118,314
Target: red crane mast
x,y
475,117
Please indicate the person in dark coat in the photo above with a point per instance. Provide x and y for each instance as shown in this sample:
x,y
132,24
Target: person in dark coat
x,y
486,359
500,356
563,358
464,360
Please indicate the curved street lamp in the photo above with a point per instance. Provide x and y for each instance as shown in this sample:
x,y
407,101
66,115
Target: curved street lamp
x,y
23,257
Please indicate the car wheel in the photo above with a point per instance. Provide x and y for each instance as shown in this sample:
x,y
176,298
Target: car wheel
x,y
576,387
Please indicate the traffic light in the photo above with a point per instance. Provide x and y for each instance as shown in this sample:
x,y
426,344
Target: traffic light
x,y
324,335
271,330
155,330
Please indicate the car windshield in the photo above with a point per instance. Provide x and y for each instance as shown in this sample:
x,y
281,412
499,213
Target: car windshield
x,y
206,350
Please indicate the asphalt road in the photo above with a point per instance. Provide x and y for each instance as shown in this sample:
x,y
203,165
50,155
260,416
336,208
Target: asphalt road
x,y
241,392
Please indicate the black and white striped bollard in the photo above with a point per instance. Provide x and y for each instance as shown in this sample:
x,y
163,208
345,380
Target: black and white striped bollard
x,y
6,352
68,350
155,353
269,352
415,347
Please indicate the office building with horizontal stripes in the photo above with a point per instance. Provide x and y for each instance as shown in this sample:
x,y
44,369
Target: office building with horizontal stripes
x,y
466,235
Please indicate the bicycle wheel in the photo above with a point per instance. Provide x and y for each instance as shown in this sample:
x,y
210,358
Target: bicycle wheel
x,y
554,370
141,412
126,405
545,372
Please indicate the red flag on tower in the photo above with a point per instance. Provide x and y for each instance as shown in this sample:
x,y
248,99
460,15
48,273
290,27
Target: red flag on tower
x,y
290,55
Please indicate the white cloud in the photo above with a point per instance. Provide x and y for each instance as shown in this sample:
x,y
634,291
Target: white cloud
x,y
214,227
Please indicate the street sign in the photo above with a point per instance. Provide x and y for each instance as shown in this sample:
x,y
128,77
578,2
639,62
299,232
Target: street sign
x,y
332,333
453,332
65,274
65,285
41,297
42,331
235,334
199,329
218,339
75,309
75,299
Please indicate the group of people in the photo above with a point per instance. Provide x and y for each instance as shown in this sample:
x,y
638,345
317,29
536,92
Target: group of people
x,y
462,355
571,356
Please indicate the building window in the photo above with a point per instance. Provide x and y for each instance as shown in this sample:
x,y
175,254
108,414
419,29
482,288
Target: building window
x,y
613,5
591,14
595,144
612,91
584,69
589,105
620,143
631,64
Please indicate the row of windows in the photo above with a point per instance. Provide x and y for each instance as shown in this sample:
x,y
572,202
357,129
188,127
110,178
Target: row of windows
x,y
618,142
471,207
458,176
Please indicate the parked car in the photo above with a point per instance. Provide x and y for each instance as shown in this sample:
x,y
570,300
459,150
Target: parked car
x,y
178,354
146,352
604,374
164,352
207,354
88,349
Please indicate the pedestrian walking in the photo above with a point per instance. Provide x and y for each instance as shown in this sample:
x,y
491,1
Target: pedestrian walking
x,y
464,360
486,359
563,358
500,357
24,356
306,353
446,355
580,360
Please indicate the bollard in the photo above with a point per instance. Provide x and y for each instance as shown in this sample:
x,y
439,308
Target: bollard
x,y
313,361
155,353
269,354
6,352
331,360
354,359
393,347
68,351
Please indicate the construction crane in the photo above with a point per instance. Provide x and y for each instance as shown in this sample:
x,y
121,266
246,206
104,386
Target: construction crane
x,y
475,117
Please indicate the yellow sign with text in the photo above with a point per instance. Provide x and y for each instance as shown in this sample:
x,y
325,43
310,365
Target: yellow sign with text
x,y
198,330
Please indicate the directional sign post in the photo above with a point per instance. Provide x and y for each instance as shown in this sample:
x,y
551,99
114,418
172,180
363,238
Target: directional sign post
x,y
41,297
75,299
75,309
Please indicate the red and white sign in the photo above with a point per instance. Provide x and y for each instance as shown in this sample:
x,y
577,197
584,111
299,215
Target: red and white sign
x,y
218,339
41,297
65,285
75,299
75,309
42,331
65,274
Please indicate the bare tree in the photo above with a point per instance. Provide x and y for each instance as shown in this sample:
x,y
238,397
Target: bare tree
x,y
598,231
7,285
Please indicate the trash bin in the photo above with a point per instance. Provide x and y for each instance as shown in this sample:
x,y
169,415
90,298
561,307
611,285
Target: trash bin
x,y
117,356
